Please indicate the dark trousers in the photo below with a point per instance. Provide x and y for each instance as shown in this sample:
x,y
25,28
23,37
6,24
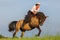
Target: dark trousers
x,y
27,17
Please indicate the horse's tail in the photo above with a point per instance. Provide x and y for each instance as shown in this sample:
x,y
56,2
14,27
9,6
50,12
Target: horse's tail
x,y
12,26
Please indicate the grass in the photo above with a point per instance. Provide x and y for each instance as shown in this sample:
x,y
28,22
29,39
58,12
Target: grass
x,y
57,37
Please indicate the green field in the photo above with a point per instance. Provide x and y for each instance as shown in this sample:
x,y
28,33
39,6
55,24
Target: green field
x,y
57,37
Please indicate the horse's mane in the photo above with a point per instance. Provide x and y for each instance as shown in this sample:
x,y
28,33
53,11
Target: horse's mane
x,y
40,14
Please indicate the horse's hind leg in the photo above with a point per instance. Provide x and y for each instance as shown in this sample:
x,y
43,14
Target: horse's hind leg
x,y
22,33
15,32
18,25
39,31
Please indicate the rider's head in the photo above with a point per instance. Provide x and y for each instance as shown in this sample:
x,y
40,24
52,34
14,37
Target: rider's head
x,y
37,4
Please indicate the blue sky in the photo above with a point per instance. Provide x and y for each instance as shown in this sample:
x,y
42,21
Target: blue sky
x,y
11,10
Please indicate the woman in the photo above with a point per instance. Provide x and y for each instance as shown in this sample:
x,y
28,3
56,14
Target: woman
x,y
31,12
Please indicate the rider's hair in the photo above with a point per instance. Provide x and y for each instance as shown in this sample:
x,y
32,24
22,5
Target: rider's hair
x,y
36,4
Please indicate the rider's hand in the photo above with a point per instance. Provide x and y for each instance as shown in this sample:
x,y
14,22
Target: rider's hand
x,y
34,13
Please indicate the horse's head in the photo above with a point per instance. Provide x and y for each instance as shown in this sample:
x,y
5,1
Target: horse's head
x,y
41,18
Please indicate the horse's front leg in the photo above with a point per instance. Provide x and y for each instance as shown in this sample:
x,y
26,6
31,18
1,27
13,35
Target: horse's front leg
x,y
39,31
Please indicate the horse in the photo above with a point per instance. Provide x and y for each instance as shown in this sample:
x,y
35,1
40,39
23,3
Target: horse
x,y
36,22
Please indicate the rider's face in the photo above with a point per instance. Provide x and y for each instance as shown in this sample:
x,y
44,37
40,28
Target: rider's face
x,y
38,6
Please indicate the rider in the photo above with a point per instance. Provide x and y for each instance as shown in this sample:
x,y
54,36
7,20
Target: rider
x,y
31,12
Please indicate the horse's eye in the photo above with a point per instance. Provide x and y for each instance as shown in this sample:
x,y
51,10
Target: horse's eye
x,y
40,20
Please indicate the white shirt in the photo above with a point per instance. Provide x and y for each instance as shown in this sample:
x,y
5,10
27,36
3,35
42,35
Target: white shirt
x,y
34,9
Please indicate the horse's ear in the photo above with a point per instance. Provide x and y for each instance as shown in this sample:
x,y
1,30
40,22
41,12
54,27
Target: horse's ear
x,y
47,16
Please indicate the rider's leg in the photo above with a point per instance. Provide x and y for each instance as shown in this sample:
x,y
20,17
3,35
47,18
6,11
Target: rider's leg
x,y
27,18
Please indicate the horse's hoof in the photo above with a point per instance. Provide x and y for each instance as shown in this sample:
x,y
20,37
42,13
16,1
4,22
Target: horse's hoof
x,y
21,36
36,35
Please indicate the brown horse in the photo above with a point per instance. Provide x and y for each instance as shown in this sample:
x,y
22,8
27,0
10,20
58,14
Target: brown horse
x,y
35,22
